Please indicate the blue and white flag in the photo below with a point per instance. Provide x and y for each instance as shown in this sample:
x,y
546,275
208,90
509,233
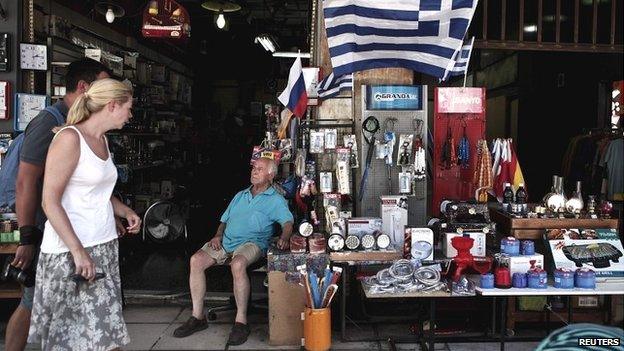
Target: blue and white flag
x,y
332,86
421,35
462,58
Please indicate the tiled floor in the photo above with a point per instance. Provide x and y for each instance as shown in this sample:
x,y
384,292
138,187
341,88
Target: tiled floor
x,y
151,328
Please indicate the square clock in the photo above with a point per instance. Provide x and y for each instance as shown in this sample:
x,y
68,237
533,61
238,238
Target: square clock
x,y
27,107
33,56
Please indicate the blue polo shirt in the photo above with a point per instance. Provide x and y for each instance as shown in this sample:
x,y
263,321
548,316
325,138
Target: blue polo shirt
x,y
250,218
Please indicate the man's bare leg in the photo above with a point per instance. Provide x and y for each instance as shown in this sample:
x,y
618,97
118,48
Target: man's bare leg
x,y
241,287
17,329
200,261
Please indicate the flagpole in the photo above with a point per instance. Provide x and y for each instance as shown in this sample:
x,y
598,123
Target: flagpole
x,y
468,62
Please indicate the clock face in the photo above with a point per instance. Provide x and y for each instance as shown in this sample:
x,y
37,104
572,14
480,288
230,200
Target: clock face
x,y
33,56
28,107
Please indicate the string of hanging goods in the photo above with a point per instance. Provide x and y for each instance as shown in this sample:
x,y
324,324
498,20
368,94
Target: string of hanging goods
x,y
370,126
464,148
449,153
482,177
388,146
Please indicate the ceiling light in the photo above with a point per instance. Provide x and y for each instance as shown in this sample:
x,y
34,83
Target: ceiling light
x,y
531,28
221,6
292,54
110,16
220,21
267,42
110,10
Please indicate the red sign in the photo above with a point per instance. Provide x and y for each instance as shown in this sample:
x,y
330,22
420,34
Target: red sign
x,y
461,100
166,19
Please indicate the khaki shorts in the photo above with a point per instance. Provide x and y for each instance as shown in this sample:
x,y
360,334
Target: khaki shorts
x,y
250,251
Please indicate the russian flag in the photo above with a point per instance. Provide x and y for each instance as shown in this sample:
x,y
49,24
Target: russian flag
x,y
295,97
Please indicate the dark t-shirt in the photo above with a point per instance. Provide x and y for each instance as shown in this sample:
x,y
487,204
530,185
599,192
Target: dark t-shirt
x,y
37,139
38,136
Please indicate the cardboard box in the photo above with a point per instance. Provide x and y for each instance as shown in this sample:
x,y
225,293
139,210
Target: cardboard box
x,y
422,240
394,218
286,303
521,264
563,242
363,225
478,248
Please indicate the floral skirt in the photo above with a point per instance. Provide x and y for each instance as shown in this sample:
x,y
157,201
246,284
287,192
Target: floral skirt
x,y
78,316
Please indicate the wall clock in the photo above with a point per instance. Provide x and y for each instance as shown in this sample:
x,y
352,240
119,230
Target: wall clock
x,y
33,56
27,107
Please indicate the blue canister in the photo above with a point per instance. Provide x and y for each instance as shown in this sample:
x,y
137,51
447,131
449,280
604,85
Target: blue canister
x,y
487,281
519,280
537,278
510,246
564,278
585,278
528,247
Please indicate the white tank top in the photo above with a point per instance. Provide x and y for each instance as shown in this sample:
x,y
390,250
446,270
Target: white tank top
x,y
86,201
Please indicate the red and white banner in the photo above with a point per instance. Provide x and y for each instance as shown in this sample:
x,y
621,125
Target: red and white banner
x,y
461,100
166,19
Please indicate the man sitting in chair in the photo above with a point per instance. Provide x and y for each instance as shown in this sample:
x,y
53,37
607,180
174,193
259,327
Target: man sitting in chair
x,y
243,236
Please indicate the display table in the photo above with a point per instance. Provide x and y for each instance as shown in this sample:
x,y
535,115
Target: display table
x,y
602,288
431,296
360,256
348,259
533,228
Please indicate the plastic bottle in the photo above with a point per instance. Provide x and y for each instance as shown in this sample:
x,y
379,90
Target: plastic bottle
x,y
521,198
508,197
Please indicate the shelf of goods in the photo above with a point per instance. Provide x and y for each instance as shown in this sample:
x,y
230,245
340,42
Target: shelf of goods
x,y
533,228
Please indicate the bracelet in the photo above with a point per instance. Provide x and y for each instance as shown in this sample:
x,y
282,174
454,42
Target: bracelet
x,y
30,235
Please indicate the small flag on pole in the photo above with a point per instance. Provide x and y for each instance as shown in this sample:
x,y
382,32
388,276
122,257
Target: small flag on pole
x,y
295,97
332,86
462,59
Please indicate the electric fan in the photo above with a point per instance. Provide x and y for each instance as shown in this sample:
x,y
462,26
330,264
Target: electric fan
x,y
164,222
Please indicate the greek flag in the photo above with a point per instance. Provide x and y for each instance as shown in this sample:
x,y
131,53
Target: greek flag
x,y
421,35
461,58
332,86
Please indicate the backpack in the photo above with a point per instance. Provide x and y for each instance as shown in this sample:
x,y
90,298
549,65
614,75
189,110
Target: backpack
x,y
10,164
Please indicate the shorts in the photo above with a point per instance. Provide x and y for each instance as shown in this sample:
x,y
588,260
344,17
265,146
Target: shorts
x,y
248,250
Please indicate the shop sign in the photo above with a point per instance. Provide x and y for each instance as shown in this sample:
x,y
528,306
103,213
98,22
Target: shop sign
x,y
460,100
166,19
394,97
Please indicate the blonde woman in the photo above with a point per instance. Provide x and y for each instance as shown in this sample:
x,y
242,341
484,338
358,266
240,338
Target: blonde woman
x,y
77,304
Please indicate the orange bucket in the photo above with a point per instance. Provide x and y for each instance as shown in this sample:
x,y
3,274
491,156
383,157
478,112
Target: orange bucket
x,y
317,329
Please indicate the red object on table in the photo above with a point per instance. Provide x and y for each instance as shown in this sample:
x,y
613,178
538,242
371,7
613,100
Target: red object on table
x,y
317,244
465,259
456,108
298,244
502,278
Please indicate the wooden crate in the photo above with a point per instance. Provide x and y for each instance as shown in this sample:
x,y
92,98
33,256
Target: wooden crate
x,y
533,228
